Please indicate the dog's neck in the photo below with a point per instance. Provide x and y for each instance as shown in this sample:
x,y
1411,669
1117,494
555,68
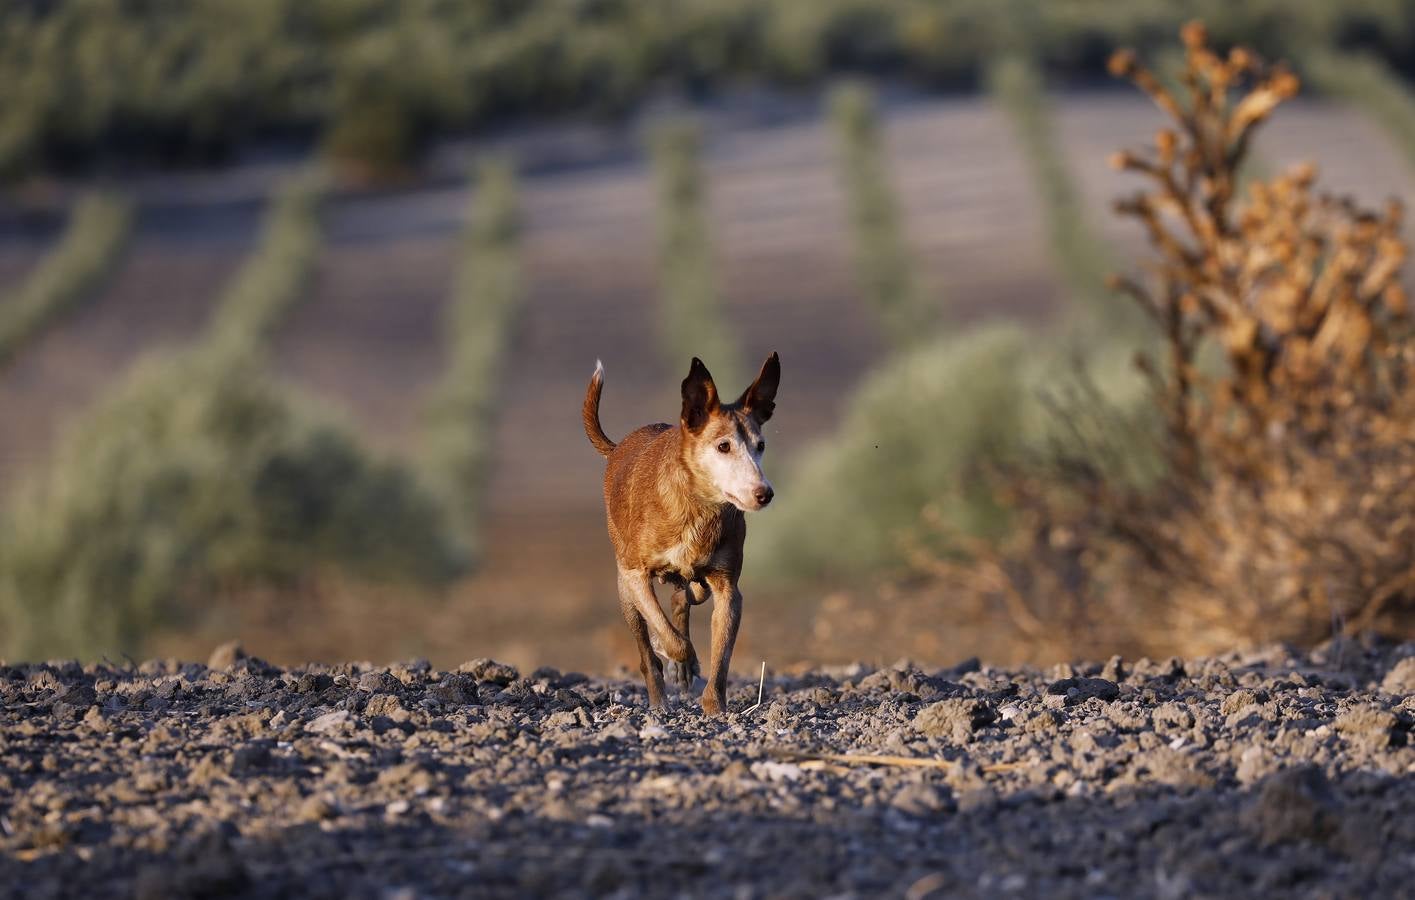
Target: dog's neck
x,y
689,498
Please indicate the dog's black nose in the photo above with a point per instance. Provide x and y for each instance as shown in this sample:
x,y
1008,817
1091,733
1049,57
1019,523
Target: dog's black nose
x,y
764,494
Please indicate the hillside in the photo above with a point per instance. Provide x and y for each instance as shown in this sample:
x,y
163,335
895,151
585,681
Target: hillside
x,y
367,339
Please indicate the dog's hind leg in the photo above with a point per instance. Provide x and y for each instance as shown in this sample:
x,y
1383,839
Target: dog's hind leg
x,y
649,664
687,670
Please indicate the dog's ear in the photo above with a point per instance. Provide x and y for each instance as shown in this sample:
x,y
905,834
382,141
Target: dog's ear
x,y
699,397
760,398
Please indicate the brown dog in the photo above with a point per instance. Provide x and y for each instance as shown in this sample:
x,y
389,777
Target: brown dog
x,y
675,498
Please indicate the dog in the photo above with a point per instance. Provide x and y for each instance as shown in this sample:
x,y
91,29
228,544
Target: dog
x,y
675,498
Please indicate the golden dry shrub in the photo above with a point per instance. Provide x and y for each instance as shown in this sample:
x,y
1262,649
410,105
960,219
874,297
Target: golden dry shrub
x,y
1282,377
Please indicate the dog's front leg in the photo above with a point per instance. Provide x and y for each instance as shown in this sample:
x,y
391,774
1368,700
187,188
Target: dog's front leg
x,y
726,616
636,588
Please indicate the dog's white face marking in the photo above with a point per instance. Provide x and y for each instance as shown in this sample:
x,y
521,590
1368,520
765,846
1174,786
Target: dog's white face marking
x,y
731,455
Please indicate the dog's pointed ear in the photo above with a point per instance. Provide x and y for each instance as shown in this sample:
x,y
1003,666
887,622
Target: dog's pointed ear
x,y
760,398
699,396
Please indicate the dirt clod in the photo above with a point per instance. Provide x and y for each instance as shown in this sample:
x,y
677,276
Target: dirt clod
x,y
226,656
1296,804
956,718
1371,725
490,671
1400,679
1077,690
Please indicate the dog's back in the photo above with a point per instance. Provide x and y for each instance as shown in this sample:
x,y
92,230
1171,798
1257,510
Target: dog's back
x,y
635,469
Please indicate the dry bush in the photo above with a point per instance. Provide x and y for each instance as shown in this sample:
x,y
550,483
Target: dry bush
x,y
1283,382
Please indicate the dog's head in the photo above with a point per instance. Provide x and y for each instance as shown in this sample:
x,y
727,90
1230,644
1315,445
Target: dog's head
x,y
724,441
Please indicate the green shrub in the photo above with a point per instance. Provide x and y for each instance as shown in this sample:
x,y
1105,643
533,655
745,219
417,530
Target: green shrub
x,y
692,314
481,314
882,260
910,433
198,472
923,432
68,275
272,280
88,80
390,88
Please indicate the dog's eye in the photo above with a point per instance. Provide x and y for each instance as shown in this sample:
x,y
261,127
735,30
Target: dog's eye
x,y
761,446
724,447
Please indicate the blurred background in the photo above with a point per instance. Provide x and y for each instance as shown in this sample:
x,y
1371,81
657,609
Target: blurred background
x,y
298,299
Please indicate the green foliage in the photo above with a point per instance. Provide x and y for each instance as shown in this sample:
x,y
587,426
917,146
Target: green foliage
x,y
194,79
882,259
1370,84
159,80
198,472
1080,256
692,315
920,434
389,89
913,431
92,244
481,315
273,279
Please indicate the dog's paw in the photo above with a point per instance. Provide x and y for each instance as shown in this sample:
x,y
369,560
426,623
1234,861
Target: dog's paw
x,y
687,672
713,703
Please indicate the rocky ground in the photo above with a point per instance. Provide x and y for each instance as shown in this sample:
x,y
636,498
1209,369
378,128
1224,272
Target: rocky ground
x,y
1267,773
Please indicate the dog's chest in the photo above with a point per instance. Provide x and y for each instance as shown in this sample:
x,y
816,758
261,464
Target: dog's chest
x,y
688,551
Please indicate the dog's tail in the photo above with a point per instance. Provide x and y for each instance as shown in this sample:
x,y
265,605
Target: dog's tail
x,y
593,430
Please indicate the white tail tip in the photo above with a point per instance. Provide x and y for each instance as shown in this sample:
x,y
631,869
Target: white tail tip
x,y
599,369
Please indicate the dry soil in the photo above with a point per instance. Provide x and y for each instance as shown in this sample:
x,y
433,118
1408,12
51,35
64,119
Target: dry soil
x,y
1260,774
